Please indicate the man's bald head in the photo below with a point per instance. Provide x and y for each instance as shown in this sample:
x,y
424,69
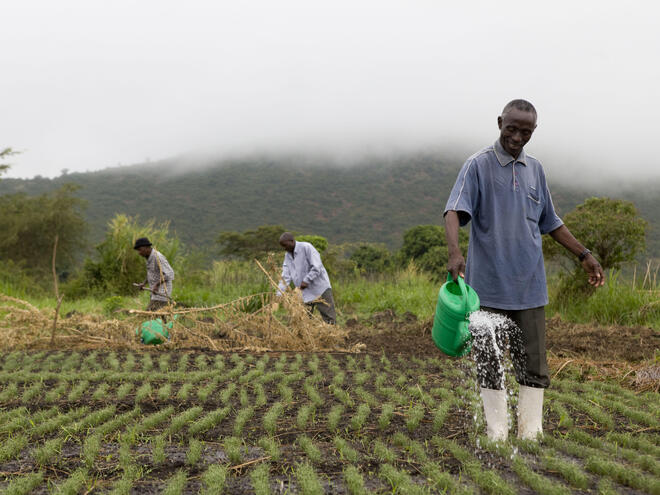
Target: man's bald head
x,y
287,241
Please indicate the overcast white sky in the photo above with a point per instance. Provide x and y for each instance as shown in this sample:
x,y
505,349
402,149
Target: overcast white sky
x,y
87,84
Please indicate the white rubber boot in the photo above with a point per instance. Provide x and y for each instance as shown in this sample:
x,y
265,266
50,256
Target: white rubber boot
x,y
495,412
530,413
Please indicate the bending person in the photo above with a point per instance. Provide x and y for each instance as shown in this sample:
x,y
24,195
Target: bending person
x,y
159,274
303,267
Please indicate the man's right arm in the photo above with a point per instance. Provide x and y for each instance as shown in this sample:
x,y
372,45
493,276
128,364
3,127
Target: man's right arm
x,y
456,263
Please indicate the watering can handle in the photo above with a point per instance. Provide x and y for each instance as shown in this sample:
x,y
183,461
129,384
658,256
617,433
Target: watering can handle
x,y
461,285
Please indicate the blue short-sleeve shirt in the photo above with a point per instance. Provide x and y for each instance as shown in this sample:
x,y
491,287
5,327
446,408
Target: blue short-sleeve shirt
x,y
510,206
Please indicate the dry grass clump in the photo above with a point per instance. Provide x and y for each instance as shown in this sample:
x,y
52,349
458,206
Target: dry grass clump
x,y
223,327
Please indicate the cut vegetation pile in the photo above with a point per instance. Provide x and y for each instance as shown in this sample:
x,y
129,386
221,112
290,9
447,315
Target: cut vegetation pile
x,y
248,323
182,422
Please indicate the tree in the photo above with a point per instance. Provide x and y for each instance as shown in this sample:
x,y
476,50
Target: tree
x,y
319,242
372,258
251,243
426,245
29,225
611,228
117,265
3,154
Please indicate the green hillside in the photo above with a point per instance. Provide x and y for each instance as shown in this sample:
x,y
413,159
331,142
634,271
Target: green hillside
x,y
375,200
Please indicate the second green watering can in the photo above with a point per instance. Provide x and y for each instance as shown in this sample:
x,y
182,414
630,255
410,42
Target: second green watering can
x,y
456,300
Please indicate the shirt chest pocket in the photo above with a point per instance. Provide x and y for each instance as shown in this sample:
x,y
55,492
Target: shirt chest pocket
x,y
533,204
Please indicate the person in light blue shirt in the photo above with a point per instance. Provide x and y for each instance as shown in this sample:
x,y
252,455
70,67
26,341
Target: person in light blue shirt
x,y
303,267
503,192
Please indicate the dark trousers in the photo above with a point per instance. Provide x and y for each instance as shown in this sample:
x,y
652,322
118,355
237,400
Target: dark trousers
x,y
526,341
326,307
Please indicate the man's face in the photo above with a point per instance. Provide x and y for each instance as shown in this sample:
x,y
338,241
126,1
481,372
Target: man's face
x,y
516,128
144,251
288,245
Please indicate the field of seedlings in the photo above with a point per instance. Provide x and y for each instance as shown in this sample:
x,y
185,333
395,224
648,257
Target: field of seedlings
x,y
188,422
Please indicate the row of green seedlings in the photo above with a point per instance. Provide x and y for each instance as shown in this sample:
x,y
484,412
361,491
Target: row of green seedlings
x,y
609,403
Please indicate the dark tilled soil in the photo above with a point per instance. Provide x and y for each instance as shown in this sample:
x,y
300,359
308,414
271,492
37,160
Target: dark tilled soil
x,y
389,333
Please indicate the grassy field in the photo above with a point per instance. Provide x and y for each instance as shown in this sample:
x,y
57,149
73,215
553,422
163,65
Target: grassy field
x,y
190,422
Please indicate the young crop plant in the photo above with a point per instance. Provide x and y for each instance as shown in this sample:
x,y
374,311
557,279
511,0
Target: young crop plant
x,y
589,408
117,422
124,389
309,448
361,416
93,419
176,484
92,361
305,414
368,363
55,394
415,416
345,450
184,391
441,413
385,417
219,362
624,475
260,480
158,450
181,365
24,485
443,481
201,362
250,376
129,362
90,450
33,392
242,417
12,446
354,481
308,481
415,448
112,361
271,447
339,379
637,442
361,377
101,392
243,397
209,421
9,393
214,479
382,452
194,453
296,364
147,362
143,393
227,392
280,364
313,364
312,393
365,396
341,395
184,418
71,362
151,421
56,422
74,484
234,449
204,392
286,393
260,398
399,480
334,416
272,415
568,470
488,480
164,391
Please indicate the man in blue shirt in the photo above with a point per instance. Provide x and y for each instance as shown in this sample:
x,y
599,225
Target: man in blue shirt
x,y
303,267
503,191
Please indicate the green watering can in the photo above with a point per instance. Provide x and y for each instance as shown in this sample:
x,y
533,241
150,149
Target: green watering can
x,y
153,331
456,300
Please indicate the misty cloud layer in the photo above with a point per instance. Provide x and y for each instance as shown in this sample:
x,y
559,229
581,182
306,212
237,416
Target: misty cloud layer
x,y
87,85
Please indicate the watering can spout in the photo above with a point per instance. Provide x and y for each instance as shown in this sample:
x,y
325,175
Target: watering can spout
x,y
451,333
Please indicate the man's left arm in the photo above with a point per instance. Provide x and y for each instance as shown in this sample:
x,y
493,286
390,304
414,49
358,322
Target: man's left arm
x,y
315,267
590,264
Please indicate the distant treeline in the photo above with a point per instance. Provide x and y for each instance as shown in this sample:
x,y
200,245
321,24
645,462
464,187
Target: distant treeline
x,y
376,200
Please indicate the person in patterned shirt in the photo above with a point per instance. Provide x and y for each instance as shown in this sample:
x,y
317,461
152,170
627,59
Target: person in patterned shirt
x,y
159,274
